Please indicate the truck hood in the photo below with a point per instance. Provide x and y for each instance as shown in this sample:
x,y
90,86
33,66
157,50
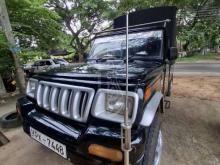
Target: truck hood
x,y
104,71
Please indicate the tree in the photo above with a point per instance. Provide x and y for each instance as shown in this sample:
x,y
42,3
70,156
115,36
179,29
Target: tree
x,y
191,17
83,18
6,26
34,25
6,62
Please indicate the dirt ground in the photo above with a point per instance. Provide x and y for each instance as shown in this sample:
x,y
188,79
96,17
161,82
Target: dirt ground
x,y
203,88
191,129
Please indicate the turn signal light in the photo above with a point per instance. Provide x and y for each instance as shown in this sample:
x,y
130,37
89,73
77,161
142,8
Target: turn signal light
x,y
111,154
147,94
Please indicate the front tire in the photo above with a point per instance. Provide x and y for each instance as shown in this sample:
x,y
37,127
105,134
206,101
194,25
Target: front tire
x,y
153,146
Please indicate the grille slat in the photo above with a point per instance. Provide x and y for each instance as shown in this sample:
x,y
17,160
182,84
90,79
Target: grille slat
x,y
45,100
54,99
75,108
73,102
83,103
64,103
39,95
59,101
70,102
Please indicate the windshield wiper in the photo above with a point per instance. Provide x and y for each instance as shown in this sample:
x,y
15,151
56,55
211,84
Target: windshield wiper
x,y
99,59
129,57
104,59
136,57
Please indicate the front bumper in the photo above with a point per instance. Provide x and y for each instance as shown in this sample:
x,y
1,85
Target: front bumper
x,y
77,137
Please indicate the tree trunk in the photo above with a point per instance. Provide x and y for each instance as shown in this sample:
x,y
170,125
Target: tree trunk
x,y
185,46
19,76
81,57
2,86
80,51
9,35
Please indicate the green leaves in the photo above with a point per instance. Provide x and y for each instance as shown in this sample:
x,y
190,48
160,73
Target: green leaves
x,y
37,29
3,41
33,23
28,55
82,18
58,24
195,31
6,61
203,34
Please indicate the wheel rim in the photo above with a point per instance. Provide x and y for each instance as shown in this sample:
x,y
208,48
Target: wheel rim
x,y
158,150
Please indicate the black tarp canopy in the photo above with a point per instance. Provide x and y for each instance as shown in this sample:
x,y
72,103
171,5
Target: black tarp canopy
x,y
152,15
58,52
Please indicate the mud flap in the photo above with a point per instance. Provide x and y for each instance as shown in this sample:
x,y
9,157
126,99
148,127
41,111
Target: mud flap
x,y
167,104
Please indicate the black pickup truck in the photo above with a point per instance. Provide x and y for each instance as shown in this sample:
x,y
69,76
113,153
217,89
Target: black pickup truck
x,y
77,111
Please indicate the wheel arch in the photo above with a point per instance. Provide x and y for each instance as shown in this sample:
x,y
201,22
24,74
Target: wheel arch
x,y
151,109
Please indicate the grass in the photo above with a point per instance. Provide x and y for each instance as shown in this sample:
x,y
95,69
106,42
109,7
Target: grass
x,y
197,57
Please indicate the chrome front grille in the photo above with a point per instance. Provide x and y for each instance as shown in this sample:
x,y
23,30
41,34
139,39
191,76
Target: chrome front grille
x,y
69,101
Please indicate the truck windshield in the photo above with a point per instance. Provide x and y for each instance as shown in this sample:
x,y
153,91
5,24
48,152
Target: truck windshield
x,y
142,45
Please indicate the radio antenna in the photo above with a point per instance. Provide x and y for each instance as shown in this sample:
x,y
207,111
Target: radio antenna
x,y
126,126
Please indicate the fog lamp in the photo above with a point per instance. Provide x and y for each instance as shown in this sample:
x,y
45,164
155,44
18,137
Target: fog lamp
x,y
111,154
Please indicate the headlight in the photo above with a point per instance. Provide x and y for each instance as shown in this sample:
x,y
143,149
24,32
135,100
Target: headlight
x,y
110,105
31,87
116,104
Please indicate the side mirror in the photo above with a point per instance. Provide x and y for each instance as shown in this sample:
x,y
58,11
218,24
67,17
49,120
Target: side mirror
x,y
173,53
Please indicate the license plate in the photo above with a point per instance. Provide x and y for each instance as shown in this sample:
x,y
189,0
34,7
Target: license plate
x,y
49,142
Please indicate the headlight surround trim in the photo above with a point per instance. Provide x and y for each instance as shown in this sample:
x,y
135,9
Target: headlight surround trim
x,y
32,83
99,111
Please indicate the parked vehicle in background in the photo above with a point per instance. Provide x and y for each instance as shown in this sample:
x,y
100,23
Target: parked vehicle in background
x,y
27,66
44,65
77,111
61,62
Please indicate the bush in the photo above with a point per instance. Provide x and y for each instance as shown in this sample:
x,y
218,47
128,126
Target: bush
x,y
28,56
6,60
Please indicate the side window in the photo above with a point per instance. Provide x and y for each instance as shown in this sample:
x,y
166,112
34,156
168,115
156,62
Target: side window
x,y
41,63
56,61
36,63
48,63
